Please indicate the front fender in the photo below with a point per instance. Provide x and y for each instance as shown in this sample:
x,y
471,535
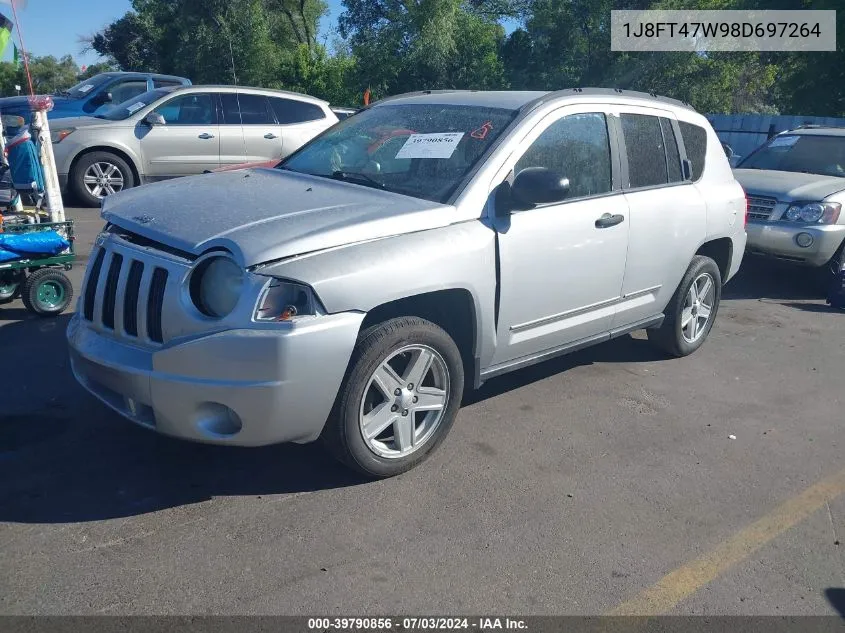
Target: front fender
x,y
363,276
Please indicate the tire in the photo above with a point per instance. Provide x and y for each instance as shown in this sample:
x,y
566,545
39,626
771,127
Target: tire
x,y
413,434
10,289
47,292
828,272
675,336
86,166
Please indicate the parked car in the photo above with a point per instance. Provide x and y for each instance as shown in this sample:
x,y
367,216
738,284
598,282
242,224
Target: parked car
x,y
430,241
796,188
343,113
170,132
91,96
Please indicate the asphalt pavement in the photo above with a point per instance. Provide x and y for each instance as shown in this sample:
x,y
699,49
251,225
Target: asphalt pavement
x,y
602,482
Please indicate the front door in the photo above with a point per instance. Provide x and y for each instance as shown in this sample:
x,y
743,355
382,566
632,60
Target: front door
x,y
562,268
189,141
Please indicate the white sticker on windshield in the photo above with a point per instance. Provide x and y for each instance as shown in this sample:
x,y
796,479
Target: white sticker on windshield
x,y
784,141
86,88
135,107
438,145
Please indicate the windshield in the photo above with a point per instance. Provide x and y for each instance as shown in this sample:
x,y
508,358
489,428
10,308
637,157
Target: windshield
x,y
806,153
84,88
421,150
129,107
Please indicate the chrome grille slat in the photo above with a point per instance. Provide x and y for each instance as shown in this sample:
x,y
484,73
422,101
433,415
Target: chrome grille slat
x,y
120,296
110,291
101,288
143,301
131,296
155,305
760,207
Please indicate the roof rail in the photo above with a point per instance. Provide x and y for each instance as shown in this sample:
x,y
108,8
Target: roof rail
x,y
813,126
604,92
417,93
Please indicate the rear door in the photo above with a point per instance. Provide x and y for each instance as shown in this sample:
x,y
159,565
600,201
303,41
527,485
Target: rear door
x,y
668,216
262,134
188,143
300,121
232,150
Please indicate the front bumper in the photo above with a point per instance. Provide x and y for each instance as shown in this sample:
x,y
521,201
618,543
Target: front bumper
x,y
247,387
779,240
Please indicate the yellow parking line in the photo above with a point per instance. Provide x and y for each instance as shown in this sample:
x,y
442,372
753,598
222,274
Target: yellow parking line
x,y
686,580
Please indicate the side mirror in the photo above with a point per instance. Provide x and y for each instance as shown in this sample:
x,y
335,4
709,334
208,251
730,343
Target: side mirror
x,y
153,119
102,98
538,185
729,152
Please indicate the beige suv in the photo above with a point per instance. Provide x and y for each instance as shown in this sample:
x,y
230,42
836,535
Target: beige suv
x,y
170,132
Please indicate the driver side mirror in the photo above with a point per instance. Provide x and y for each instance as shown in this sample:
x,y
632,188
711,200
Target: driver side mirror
x,y
538,185
102,98
153,119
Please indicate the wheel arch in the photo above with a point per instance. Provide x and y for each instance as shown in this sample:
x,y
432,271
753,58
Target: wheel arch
x,y
720,250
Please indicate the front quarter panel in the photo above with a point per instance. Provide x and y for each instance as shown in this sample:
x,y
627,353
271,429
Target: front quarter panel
x,y
363,276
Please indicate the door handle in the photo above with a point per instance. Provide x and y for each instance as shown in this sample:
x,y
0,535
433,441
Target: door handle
x,y
270,136
206,135
609,220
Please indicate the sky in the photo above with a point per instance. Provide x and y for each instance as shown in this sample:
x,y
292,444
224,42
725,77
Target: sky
x,y
44,34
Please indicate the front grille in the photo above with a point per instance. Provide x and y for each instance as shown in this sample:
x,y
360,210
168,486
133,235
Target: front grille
x,y
122,290
760,207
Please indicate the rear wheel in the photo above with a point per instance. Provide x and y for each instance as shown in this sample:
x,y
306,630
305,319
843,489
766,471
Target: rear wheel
x,y
692,309
399,398
99,174
47,292
10,287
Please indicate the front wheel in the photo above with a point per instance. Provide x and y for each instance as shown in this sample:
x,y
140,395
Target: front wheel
x,y
692,309
99,174
399,398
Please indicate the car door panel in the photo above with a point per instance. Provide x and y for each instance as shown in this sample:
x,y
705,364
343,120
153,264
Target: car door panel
x,y
262,134
561,271
300,121
187,144
232,150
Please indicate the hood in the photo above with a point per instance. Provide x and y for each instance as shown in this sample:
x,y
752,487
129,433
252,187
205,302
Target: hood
x,y
261,215
21,104
80,122
788,186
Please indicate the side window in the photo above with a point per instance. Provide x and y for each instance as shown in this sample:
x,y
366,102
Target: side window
x,y
189,109
165,83
695,142
231,110
292,111
576,147
126,90
255,109
644,147
673,158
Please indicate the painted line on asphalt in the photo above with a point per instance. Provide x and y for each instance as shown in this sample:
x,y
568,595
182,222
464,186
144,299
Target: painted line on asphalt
x,y
664,595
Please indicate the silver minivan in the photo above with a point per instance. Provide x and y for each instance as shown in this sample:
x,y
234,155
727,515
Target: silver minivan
x,y
170,132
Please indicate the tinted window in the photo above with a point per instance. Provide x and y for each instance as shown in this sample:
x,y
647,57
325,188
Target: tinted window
x,y
255,109
86,87
190,109
130,107
673,158
160,83
292,111
126,90
422,149
644,147
576,147
801,152
695,142
231,110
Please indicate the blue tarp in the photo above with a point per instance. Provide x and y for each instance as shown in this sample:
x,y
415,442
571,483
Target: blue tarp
x,y
31,245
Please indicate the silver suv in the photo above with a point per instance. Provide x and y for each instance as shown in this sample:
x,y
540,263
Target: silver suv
x,y
170,132
796,189
429,242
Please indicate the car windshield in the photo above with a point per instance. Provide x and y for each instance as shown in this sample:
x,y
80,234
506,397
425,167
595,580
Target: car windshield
x,y
129,107
807,153
85,87
420,150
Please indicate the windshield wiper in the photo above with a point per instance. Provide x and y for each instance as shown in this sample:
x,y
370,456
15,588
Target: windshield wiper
x,y
354,176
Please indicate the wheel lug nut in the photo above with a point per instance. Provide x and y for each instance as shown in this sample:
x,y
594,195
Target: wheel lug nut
x,y
394,408
410,385
415,399
404,412
397,392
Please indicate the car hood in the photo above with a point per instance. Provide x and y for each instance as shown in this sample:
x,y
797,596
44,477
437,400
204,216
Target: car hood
x,y
92,122
788,186
263,215
22,103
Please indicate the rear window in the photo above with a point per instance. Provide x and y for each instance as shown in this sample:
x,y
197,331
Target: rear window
x,y
695,142
292,111
645,151
673,158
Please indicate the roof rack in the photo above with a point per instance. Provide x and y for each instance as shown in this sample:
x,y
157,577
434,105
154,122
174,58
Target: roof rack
x,y
813,126
605,92
417,93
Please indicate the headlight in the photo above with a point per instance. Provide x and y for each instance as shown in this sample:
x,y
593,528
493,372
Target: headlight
x,y
284,300
216,286
813,212
57,136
